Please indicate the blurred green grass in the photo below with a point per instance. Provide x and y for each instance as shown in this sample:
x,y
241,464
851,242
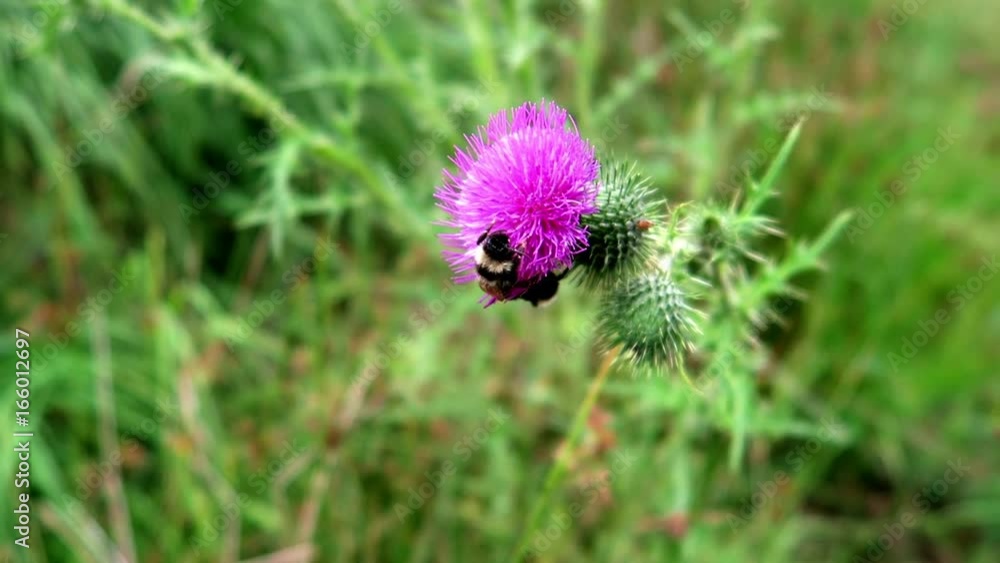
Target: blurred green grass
x,y
239,430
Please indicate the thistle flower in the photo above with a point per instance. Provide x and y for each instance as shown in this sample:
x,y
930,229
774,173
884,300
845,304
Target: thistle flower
x,y
528,174
619,241
649,317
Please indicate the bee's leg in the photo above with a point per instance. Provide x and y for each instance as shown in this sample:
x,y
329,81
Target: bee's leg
x,y
483,236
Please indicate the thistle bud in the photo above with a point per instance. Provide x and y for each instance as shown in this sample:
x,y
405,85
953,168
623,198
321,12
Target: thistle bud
x,y
649,317
618,237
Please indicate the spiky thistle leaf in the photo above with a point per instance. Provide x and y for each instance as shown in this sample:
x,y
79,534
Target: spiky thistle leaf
x,y
722,235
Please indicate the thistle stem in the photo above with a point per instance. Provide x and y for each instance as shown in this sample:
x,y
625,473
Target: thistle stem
x,y
558,470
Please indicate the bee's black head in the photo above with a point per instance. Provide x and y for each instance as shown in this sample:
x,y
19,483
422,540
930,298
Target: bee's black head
x,y
497,247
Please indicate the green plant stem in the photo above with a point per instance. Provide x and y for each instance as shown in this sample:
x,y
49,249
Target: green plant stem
x,y
558,470
265,104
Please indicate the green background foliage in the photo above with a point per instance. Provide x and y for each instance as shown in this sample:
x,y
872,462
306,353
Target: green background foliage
x,y
217,225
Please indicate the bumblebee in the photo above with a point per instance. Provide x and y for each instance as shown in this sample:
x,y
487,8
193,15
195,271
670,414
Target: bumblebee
x,y
496,266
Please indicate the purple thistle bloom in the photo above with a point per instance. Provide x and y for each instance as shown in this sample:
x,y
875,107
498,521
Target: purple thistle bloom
x,y
525,174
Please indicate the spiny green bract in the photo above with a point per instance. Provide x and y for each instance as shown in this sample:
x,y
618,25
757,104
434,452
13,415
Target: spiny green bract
x,y
724,235
619,244
649,317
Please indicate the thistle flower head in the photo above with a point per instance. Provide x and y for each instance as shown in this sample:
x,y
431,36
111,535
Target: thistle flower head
x,y
649,317
528,174
618,234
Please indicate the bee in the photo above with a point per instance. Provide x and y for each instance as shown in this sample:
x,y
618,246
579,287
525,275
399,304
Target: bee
x,y
496,265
